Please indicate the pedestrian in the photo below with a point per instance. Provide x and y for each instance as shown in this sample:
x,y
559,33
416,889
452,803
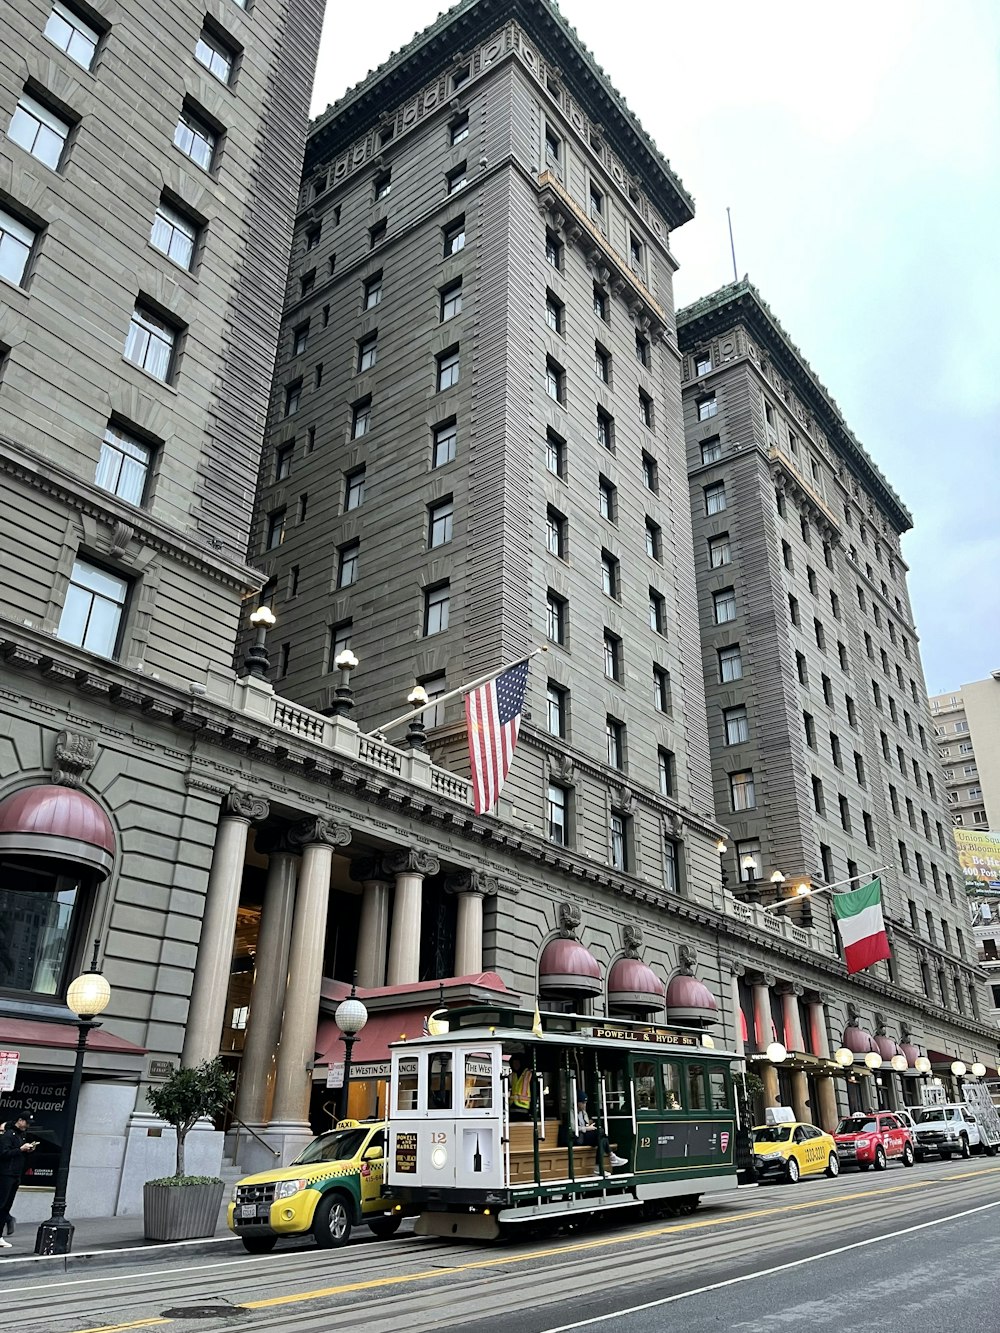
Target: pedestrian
x,y
587,1133
15,1149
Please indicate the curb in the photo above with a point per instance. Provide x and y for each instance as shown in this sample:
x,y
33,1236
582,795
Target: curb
x,y
62,1263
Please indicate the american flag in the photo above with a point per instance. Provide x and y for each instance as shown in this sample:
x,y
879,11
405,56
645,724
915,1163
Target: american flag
x,y
493,712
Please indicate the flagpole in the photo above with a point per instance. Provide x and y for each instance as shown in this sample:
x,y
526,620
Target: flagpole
x,y
451,694
827,888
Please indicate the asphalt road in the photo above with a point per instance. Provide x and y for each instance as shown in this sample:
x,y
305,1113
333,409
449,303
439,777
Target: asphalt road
x,y
888,1253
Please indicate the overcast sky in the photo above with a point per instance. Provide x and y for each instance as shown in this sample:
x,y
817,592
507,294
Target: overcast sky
x,y
858,145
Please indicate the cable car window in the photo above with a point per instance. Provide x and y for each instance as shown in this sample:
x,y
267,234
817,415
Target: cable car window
x,y
478,1081
439,1085
672,1097
644,1077
406,1086
696,1088
717,1089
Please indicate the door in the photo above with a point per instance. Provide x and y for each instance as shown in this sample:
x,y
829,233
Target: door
x,y
371,1173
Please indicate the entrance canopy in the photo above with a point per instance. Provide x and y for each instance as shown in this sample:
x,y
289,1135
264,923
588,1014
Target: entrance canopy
x,y
57,823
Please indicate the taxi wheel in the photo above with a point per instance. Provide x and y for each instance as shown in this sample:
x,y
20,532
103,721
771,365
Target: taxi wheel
x,y
384,1227
908,1157
833,1166
259,1244
880,1161
792,1171
332,1223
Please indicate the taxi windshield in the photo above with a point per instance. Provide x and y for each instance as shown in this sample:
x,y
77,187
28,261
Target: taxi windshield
x,y
771,1133
338,1146
857,1124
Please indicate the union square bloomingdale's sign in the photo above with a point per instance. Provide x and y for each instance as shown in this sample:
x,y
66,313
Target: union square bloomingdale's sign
x,y
42,1096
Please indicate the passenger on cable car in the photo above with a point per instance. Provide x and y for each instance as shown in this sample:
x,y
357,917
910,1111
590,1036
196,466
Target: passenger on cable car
x,y
586,1132
522,1090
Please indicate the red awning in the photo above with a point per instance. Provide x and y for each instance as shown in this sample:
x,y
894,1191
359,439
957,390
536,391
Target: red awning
x,y
15,1032
372,1047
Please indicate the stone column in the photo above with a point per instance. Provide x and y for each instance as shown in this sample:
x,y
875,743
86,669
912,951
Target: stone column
x,y
762,1033
267,999
293,1078
470,887
373,934
207,1007
793,1041
409,866
826,1090
736,970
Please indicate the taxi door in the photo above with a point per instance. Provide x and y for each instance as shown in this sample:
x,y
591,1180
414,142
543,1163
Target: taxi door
x,y
893,1135
811,1151
371,1174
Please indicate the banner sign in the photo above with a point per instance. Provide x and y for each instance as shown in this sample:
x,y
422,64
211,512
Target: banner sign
x,y
979,856
8,1070
42,1096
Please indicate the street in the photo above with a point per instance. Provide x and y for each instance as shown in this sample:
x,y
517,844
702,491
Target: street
x,y
881,1252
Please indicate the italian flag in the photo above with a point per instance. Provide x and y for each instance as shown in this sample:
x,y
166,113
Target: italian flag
x,y
862,927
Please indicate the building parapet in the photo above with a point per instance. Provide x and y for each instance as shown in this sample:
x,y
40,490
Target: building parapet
x,y
772,923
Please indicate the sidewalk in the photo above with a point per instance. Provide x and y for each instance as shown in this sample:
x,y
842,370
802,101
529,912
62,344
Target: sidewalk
x,y
102,1236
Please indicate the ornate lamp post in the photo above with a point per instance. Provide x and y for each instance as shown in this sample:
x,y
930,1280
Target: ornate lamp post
x,y
343,695
416,733
351,1016
88,996
748,874
257,663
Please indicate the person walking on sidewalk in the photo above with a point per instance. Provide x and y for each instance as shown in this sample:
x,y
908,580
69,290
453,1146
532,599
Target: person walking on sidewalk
x,y
15,1149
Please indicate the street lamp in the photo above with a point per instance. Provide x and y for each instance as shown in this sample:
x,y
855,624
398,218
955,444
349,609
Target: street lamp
x,y
416,734
844,1057
899,1063
978,1070
748,874
957,1068
873,1060
777,1053
922,1065
343,695
257,662
88,996
351,1016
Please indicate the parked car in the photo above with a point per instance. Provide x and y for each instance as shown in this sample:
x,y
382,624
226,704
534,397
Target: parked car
x,y
875,1139
333,1184
792,1149
951,1128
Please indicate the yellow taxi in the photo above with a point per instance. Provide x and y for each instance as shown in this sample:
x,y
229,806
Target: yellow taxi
x,y
791,1149
333,1185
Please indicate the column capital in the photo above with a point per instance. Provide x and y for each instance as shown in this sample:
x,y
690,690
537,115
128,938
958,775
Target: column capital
x,y
790,988
734,967
274,842
472,881
815,997
411,861
245,805
761,979
316,830
369,869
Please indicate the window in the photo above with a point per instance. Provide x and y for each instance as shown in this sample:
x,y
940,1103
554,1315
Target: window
x,y
827,685
553,250
367,352
372,291
845,813
557,813
801,669
553,147
642,350
666,772
555,533
610,576
819,800
555,612
869,824
445,444
596,202
555,381
383,186
711,450
283,461
605,430
602,364
819,633
150,343
741,791
307,282
661,690
275,530
94,607
612,656
440,523
448,365
619,842
460,76
556,699
646,409
614,732
650,473
218,58
451,301
737,725
852,712
707,407
348,564
361,418
809,729
313,235
702,363
608,500
377,233
554,311
16,243
719,551
123,467
715,498
657,612
600,303
354,490
72,34
654,540
458,130
793,609
779,501
555,454
635,251
724,605
39,131
842,655
437,608
859,769
730,663
195,139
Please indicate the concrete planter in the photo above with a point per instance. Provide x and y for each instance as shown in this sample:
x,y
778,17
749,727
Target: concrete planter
x,y
181,1212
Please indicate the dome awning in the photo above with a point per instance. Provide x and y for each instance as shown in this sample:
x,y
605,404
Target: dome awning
x,y
633,985
887,1048
911,1052
690,1001
859,1040
59,824
567,968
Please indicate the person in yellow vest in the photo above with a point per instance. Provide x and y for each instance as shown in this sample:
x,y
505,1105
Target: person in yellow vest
x,y
521,1089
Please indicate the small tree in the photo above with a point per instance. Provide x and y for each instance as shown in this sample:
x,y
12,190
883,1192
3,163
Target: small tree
x,y
187,1095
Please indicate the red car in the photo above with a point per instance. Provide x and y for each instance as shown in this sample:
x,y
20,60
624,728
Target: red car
x,y
873,1139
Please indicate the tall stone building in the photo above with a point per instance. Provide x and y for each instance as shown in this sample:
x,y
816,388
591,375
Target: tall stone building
x,y
967,732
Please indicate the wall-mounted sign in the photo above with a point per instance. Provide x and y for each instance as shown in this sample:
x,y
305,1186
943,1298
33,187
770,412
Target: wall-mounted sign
x,y
161,1068
43,1096
8,1070
405,1160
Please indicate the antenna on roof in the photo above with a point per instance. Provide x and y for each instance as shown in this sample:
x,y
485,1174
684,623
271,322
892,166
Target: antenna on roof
x,y
732,247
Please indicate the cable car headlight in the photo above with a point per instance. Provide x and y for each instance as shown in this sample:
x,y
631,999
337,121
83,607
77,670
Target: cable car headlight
x,y
439,1158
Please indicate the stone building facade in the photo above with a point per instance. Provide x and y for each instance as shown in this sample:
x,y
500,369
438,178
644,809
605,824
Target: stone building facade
x,y
967,732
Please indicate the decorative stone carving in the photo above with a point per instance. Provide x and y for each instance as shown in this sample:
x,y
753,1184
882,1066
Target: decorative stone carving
x,y
570,918
121,534
318,830
472,881
411,861
562,767
624,801
75,755
632,940
368,869
879,1025
687,960
853,1017
245,805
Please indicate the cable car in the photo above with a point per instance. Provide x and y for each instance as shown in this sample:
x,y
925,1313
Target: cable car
x,y
478,1149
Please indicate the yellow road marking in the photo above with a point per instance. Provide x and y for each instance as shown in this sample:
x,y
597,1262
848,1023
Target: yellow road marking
x,y
119,1328
423,1275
